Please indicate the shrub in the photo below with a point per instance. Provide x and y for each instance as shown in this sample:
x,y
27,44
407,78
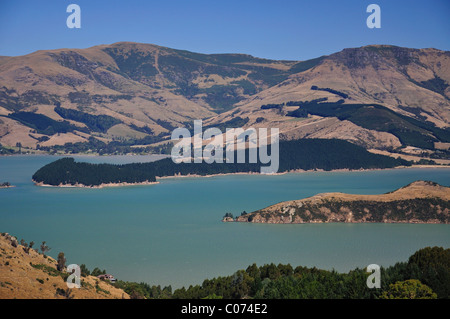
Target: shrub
x,y
408,289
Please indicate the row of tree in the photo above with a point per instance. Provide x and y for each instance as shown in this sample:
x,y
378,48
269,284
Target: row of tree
x,y
426,275
336,92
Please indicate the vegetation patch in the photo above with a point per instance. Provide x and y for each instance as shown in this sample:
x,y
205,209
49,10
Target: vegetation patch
x,y
437,85
306,65
43,124
96,123
47,269
336,92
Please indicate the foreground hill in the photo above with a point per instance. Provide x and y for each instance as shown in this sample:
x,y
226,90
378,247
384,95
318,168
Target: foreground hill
x,y
418,202
26,274
135,94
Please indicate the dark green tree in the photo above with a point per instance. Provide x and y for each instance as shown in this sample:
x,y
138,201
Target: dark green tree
x,y
97,272
84,270
61,262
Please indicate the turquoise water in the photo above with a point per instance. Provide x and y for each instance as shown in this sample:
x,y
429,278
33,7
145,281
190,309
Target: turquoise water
x,y
171,233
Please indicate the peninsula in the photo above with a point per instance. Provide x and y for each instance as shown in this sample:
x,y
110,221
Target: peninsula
x,y
294,155
418,202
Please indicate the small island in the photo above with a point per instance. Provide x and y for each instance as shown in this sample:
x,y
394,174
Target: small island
x,y
6,185
418,202
228,217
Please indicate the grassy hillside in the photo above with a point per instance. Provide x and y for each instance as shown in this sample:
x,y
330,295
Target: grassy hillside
x,y
27,274
377,117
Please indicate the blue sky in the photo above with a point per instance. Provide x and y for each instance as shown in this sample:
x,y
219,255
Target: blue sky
x,y
283,29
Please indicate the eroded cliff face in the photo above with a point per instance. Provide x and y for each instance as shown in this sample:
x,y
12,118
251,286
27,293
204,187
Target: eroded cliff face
x,y
418,202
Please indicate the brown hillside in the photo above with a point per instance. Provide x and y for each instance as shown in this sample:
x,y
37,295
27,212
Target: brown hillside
x,y
20,280
158,88
403,80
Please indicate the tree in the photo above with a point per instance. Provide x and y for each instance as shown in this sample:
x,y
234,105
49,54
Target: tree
x,y
25,247
253,271
270,271
14,242
30,246
84,270
136,295
285,270
19,145
433,265
61,264
44,248
96,272
228,215
408,289
64,293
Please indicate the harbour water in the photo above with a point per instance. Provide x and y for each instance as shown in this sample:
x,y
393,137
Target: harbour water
x,y
171,233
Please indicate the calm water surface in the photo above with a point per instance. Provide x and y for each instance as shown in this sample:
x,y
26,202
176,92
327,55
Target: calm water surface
x,y
171,233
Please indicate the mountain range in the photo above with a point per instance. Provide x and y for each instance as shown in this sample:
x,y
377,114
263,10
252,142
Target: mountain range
x,y
385,98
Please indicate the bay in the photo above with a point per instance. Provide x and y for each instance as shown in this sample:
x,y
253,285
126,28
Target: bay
x,y
171,233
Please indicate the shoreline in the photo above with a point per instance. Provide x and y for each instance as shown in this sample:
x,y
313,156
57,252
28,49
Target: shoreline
x,y
334,222
82,155
298,171
104,185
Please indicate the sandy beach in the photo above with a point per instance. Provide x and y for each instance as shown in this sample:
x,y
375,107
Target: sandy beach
x,y
78,185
